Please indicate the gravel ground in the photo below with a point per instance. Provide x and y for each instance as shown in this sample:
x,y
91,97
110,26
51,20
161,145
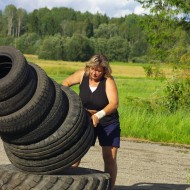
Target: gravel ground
x,y
142,165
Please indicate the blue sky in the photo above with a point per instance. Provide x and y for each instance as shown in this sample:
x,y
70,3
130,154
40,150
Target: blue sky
x,y
116,8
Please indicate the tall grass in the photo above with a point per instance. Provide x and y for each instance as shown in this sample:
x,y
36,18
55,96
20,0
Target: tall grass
x,y
137,121
157,127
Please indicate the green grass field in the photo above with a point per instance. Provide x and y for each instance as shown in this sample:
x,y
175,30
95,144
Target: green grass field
x,y
137,121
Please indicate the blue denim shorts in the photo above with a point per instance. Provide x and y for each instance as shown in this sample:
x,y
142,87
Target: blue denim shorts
x,y
108,135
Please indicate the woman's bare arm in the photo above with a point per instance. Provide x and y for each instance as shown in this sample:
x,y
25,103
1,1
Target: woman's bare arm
x,y
112,95
73,79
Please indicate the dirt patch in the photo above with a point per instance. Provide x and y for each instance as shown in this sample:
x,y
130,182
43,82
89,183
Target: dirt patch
x,y
142,165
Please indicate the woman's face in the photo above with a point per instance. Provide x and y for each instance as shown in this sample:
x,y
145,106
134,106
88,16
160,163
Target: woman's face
x,y
96,73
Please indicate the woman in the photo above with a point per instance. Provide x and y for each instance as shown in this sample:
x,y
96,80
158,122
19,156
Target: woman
x,y
99,96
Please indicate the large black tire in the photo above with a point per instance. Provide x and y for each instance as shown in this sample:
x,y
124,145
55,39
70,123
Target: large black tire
x,y
46,127
58,163
12,78
73,179
35,110
20,99
63,138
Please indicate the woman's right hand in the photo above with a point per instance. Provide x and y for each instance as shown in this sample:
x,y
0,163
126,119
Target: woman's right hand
x,y
95,120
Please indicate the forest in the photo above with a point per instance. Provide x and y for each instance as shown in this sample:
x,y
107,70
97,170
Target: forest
x,y
60,33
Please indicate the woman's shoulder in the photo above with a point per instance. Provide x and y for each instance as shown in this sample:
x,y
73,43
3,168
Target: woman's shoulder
x,y
110,81
109,78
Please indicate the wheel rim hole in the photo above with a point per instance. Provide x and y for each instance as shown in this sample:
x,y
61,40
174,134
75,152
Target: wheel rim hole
x,y
5,66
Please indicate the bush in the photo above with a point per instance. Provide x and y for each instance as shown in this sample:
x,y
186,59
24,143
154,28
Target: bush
x,y
185,59
177,93
155,72
51,48
118,49
7,41
148,70
28,43
78,48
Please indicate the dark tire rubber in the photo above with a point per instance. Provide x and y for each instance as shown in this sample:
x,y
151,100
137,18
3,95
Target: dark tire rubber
x,y
69,131
55,164
47,126
72,179
20,99
14,75
35,110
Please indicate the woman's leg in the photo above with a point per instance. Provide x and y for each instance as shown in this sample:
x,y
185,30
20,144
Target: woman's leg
x,y
110,163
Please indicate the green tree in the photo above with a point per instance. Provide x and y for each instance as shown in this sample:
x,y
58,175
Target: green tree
x,y
28,43
34,22
7,41
181,45
131,28
51,48
139,48
10,14
42,22
21,20
2,24
175,6
89,30
118,49
100,45
99,19
78,48
159,29
46,22
69,28
106,31
161,24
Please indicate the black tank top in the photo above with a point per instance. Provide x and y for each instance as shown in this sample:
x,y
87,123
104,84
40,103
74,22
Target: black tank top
x,y
96,100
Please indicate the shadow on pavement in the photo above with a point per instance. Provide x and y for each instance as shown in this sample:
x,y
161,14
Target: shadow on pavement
x,y
154,186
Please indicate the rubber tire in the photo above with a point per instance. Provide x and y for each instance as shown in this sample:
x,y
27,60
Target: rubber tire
x,y
58,163
16,76
35,110
75,178
20,99
48,125
69,131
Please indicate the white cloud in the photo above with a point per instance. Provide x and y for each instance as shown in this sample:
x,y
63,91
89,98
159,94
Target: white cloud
x,y
110,8
140,10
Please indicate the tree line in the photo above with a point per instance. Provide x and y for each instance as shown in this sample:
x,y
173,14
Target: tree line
x,y
64,34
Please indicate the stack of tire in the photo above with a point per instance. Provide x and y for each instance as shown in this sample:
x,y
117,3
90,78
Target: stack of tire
x,y
44,127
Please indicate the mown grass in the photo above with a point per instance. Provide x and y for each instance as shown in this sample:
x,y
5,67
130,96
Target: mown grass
x,y
137,121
